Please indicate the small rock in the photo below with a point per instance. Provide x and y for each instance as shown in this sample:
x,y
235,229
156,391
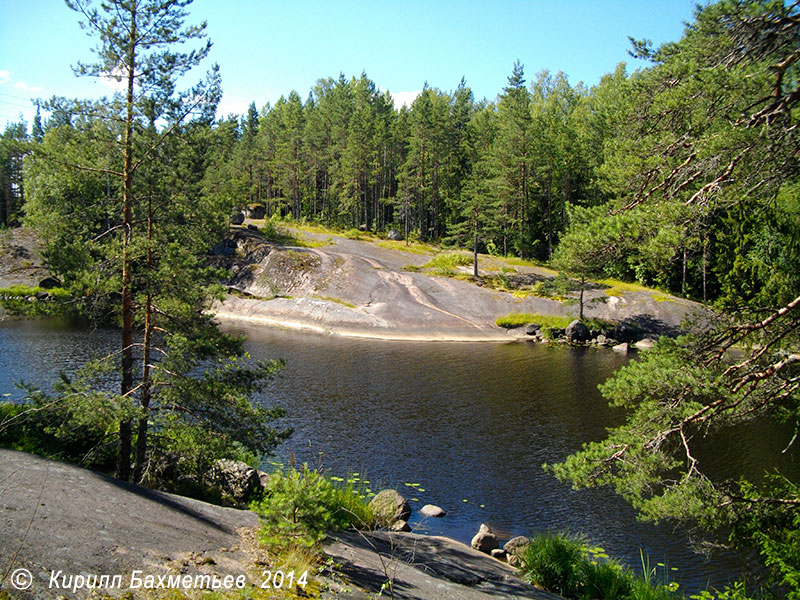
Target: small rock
x,y
621,348
577,332
498,553
430,510
389,506
516,545
645,344
263,479
395,235
533,329
48,283
602,340
400,526
237,218
514,560
484,541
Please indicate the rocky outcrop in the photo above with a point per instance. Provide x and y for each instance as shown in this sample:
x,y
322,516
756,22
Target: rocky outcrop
x,y
236,482
389,506
256,211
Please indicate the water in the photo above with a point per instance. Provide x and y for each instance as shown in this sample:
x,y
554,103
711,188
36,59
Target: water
x,y
470,423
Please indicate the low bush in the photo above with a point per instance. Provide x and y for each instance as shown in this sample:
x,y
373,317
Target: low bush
x,y
301,505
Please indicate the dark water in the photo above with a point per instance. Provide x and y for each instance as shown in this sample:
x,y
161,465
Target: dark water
x,y
470,423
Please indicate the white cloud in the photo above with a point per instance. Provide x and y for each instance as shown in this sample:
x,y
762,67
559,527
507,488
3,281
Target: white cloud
x,y
21,85
404,98
114,81
4,76
230,105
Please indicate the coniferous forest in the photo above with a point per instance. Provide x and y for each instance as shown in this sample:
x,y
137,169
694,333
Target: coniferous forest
x,y
684,175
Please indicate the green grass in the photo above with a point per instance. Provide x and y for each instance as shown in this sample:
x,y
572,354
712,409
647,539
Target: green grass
x,y
615,287
516,319
566,565
412,247
276,234
336,300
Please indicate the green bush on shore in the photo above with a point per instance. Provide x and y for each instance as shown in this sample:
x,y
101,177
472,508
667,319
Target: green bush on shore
x,y
566,565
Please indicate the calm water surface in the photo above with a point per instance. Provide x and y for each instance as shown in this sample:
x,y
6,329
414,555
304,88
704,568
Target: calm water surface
x,y
471,423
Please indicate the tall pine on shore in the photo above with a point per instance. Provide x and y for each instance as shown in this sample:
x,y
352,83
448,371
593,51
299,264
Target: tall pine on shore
x,y
117,189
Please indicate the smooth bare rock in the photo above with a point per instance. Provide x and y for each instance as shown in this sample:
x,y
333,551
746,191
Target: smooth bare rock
x,y
577,332
621,348
424,567
484,541
57,516
389,506
431,510
516,545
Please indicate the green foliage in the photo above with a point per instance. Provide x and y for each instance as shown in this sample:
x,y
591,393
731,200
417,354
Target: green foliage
x,y
446,263
555,562
301,505
566,565
34,300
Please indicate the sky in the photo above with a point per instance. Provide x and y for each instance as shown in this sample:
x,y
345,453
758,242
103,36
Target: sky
x,y
267,48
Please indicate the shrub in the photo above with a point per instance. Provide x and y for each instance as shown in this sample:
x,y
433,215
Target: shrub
x,y
300,506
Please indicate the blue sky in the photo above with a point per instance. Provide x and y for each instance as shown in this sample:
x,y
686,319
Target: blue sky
x,y
266,48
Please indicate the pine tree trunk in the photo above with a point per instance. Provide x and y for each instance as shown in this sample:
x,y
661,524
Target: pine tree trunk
x,y
141,432
125,426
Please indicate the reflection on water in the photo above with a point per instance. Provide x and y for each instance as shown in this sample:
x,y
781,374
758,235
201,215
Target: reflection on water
x,y
471,423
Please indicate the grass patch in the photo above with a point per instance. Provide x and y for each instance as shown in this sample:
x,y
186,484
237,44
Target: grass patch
x,y
336,300
566,565
34,300
512,320
444,264
276,234
412,247
615,287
